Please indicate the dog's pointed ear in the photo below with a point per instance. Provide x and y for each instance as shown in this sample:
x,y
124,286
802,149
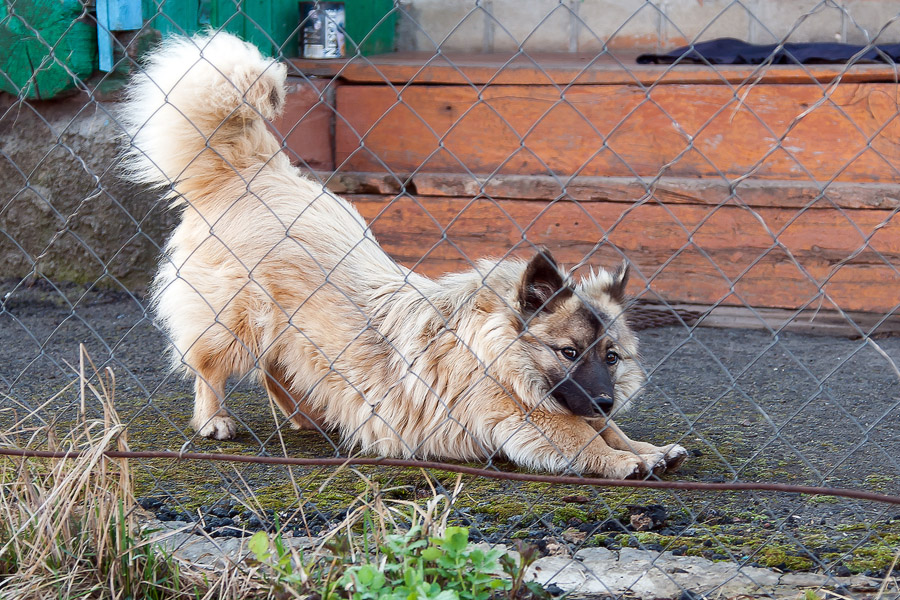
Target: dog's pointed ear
x,y
542,285
619,282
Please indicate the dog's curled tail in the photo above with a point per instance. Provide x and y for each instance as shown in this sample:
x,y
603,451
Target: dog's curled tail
x,y
195,113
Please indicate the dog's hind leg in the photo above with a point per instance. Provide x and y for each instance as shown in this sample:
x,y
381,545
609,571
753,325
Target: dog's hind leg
x,y
301,414
210,418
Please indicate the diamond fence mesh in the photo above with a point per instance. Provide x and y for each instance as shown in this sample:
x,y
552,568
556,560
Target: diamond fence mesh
x,y
755,204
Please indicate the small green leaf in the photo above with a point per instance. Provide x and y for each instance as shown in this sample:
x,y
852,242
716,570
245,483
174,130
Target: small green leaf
x,y
537,590
259,545
508,563
432,553
379,581
414,545
456,538
366,575
279,543
447,595
297,578
528,552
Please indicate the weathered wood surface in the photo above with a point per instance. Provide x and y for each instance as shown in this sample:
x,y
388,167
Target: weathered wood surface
x,y
812,321
782,193
793,132
684,253
307,122
669,190
543,68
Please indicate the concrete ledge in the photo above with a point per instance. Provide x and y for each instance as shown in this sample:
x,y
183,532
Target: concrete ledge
x,y
648,575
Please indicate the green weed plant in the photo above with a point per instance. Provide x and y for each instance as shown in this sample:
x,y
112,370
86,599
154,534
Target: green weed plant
x,y
405,566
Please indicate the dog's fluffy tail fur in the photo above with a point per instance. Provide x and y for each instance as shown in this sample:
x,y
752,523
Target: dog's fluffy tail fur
x,y
198,107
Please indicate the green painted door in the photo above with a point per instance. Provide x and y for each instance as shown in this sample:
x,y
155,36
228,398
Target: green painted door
x,y
46,47
273,25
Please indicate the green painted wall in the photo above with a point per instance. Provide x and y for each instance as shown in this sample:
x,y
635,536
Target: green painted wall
x,y
273,24
46,46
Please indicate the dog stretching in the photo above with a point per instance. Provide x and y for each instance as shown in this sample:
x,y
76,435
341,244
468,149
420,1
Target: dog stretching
x,y
268,272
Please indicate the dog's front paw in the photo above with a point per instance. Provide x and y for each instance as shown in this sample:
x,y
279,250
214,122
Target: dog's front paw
x,y
635,466
675,455
655,464
626,467
218,428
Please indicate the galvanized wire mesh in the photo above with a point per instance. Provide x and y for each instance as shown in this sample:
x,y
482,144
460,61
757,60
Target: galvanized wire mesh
x,y
458,152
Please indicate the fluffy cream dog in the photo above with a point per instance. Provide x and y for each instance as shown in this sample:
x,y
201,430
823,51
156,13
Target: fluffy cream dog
x,y
269,272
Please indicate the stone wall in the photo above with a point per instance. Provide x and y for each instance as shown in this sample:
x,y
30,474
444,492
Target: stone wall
x,y
586,25
58,183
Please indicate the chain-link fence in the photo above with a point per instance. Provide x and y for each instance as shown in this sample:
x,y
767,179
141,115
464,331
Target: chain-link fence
x,y
752,196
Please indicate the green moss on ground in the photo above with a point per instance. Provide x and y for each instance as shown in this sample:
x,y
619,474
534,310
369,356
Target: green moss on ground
x,y
719,526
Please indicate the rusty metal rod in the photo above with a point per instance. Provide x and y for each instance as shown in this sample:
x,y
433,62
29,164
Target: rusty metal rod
x,y
440,466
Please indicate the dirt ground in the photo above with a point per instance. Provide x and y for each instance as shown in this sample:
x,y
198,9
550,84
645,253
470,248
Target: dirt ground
x,y
750,405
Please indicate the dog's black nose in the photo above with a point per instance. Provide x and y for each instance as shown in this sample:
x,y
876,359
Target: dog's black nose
x,y
603,404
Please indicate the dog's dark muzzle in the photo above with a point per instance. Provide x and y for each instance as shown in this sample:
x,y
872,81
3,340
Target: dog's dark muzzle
x,y
587,390
602,404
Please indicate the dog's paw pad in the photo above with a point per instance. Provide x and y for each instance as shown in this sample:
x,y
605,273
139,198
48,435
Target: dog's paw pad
x,y
632,466
654,464
219,428
675,456
630,471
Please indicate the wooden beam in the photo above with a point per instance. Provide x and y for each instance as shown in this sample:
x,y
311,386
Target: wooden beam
x,y
685,253
811,321
563,69
669,190
789,132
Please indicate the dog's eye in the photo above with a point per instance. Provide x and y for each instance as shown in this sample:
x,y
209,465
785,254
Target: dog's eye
x,y
612,358
569,352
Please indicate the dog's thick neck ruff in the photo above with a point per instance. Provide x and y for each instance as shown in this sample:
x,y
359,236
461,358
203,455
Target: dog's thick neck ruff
x,y
271,273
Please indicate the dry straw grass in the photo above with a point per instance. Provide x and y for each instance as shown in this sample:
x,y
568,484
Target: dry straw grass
x,y
67,527
380,516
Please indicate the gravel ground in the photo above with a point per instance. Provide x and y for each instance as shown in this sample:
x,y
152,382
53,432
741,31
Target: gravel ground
x,y
749,405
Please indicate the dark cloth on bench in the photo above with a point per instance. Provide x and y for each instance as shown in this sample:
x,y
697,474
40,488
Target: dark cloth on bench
x,y
730,51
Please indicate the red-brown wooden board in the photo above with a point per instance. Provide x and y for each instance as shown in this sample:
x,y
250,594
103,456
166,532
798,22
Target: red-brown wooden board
x,y
583,68
765,257
307,122
793,132
669,190
777,194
